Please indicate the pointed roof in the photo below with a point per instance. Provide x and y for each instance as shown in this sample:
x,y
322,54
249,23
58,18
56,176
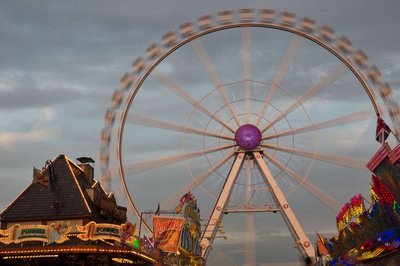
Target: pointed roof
x,y
63,200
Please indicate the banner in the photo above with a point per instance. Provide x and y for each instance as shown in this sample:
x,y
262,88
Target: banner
x,y
167,232
44,233
94,231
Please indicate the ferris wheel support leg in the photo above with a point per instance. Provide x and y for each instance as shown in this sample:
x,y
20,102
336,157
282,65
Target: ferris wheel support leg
x,y
302,242
215,218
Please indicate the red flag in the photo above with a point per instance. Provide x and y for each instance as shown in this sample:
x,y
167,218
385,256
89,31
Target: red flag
x,y
382,130
185,198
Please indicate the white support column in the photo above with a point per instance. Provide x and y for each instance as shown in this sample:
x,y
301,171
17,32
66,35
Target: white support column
x,y
303,243
213,222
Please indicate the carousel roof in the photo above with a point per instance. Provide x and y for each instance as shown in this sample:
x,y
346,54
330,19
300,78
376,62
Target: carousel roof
x,y
62,198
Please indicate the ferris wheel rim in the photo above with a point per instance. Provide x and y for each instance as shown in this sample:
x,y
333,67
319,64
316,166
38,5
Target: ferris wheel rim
x,y
215,28
187,40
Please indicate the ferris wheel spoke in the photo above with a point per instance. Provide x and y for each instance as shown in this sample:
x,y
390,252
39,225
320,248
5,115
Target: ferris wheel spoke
x,y
208,65
283,68
338,160
246,42
197,181
324,82
362,115
175,88
146,121
310,187
144,166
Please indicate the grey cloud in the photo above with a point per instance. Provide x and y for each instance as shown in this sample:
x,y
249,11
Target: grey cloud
x,y
27,93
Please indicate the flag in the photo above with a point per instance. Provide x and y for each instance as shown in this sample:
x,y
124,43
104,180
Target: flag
x,y
185,198
382,130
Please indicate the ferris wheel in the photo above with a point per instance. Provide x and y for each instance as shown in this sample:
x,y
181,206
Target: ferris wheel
x,y
245,109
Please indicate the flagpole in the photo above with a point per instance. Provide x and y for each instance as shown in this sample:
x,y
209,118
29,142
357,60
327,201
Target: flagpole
x,y
396,137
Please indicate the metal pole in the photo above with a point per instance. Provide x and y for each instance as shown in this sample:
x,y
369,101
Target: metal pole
x,y
140,224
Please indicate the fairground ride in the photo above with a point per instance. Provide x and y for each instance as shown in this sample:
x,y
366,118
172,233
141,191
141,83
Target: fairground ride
x,y
244,108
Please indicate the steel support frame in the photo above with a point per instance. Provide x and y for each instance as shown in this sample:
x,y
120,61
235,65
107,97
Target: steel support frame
x,y
302,242
216,216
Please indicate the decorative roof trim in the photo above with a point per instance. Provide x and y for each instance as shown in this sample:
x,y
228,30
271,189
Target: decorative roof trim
x,y
378,157
395,154
77,183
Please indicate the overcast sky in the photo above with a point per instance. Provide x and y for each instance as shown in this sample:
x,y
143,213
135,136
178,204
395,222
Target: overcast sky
x,y
60,62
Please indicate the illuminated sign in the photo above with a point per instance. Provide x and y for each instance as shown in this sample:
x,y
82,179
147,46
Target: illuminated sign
x,y
32,233
56,232
94,231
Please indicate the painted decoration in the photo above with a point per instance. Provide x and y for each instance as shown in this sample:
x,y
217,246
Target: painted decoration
x,y
167,231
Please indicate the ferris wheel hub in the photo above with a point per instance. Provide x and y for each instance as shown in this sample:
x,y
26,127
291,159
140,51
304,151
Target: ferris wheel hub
x,y
248,137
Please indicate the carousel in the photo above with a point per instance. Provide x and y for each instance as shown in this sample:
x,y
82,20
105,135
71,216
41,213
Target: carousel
x,y
64,217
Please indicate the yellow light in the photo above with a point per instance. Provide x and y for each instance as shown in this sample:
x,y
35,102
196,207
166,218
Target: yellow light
x,y
29,257
122,260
